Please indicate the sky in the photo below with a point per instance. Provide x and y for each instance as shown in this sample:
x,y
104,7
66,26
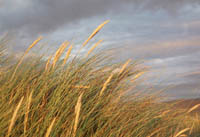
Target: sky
x,y
163,33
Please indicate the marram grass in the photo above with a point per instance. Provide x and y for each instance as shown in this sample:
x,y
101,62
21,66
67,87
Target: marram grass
x,y
83,98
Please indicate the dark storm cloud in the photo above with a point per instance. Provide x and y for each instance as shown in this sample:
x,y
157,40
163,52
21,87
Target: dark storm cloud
x,y
40,16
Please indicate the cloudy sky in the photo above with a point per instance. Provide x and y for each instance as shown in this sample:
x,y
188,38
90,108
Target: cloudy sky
x,y
164,33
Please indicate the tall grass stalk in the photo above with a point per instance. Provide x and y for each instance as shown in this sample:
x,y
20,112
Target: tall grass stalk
x,y
77,113
27,112
95,32
12,122
50,128
106,84
93,47
181,132
124,66
59,52
67,55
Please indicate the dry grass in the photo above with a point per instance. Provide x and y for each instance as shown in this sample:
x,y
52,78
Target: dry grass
x,y
48,63
83,97
124,66
93,47
77,113
106,84
59,52
27,112
67,55
13,119
193,108
95,32
181,132
50,128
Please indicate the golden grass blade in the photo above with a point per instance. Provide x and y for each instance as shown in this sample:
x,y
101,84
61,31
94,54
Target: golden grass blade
x,y
67,55
77,113
95,32
156,131
22,58
33,44
27,111
48,62
137,76
124,66
55,57
181,132
193,108
93,47
163,114
59,52
183,135
49,128
12,122
62,47
80,86
106,84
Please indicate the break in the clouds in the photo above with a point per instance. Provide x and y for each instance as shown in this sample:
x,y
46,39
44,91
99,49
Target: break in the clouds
x,y
41,16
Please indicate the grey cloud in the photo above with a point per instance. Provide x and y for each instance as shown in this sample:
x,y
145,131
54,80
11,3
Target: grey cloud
x,y
40,16
47,15
169,5
178,91
163,49
192,76
186,90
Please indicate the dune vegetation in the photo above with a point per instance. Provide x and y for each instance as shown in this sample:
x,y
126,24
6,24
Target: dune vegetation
x,y
83,97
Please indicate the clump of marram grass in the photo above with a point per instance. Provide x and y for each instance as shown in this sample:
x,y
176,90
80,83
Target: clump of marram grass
x,y
83,98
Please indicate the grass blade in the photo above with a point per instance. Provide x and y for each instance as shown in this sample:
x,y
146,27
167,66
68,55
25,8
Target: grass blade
x,y
12,122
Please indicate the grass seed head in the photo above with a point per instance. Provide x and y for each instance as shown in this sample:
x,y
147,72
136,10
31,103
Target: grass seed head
x,y
193,108
77,113
93,47
48,63
106,83
124,66
95,32
59,52
67,55
12,122
181,132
